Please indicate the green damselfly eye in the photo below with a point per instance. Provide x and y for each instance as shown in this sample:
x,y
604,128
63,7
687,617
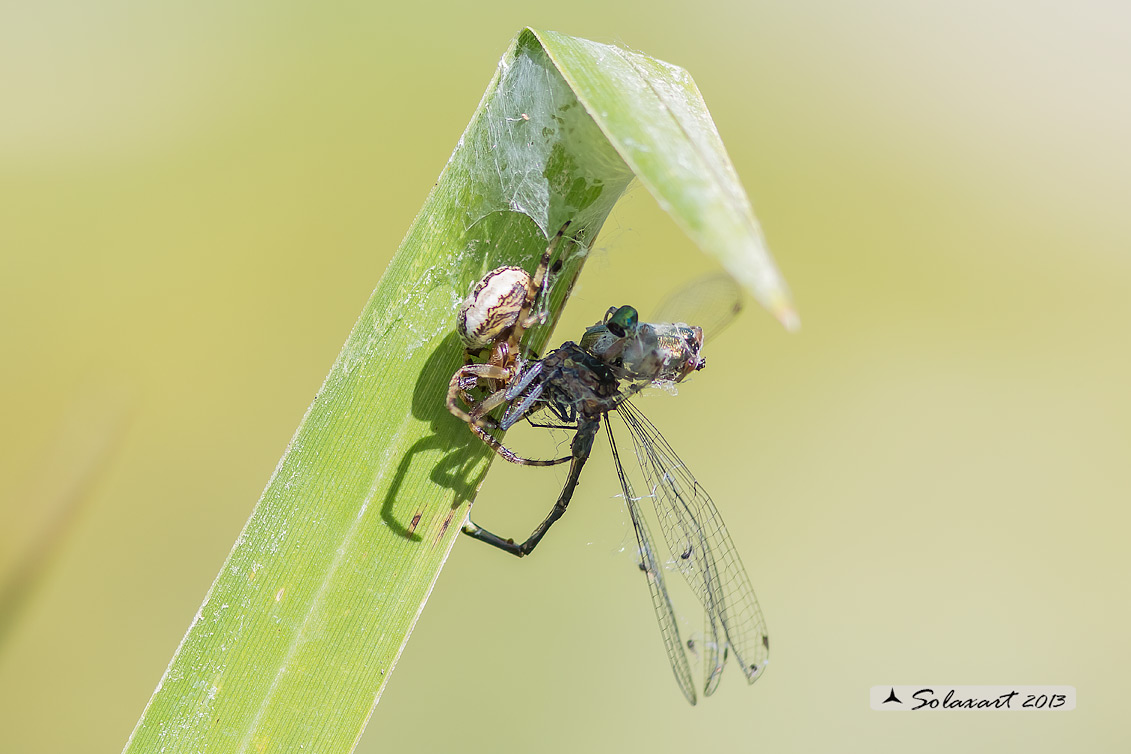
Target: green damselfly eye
x,y
623,320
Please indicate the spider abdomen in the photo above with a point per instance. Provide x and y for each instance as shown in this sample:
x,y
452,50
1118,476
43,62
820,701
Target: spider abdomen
x,y
492,307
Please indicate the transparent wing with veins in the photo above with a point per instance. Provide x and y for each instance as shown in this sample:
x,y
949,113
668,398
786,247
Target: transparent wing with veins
x,y
653,569
701,549
712,302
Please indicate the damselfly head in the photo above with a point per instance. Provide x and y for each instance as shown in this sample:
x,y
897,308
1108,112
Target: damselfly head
x,y
645,351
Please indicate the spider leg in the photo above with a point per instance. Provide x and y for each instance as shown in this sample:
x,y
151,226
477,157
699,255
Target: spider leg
x,y
485,406
509,455
525,317
474,372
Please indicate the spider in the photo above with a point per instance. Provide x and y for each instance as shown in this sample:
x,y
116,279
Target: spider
x,y
493,319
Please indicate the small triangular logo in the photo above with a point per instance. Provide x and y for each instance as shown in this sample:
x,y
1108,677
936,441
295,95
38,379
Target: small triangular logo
x,y
893,698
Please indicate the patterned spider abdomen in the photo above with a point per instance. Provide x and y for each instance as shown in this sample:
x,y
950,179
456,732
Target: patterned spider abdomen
x,y
492,307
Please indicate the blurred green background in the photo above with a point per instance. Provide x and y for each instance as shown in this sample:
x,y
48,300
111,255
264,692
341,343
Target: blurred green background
x,y
928,483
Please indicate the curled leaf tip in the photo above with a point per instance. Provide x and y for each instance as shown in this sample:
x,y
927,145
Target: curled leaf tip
x,y
790,320
784,312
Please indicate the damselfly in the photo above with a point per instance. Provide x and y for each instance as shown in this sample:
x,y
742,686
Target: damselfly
x,y
581,386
